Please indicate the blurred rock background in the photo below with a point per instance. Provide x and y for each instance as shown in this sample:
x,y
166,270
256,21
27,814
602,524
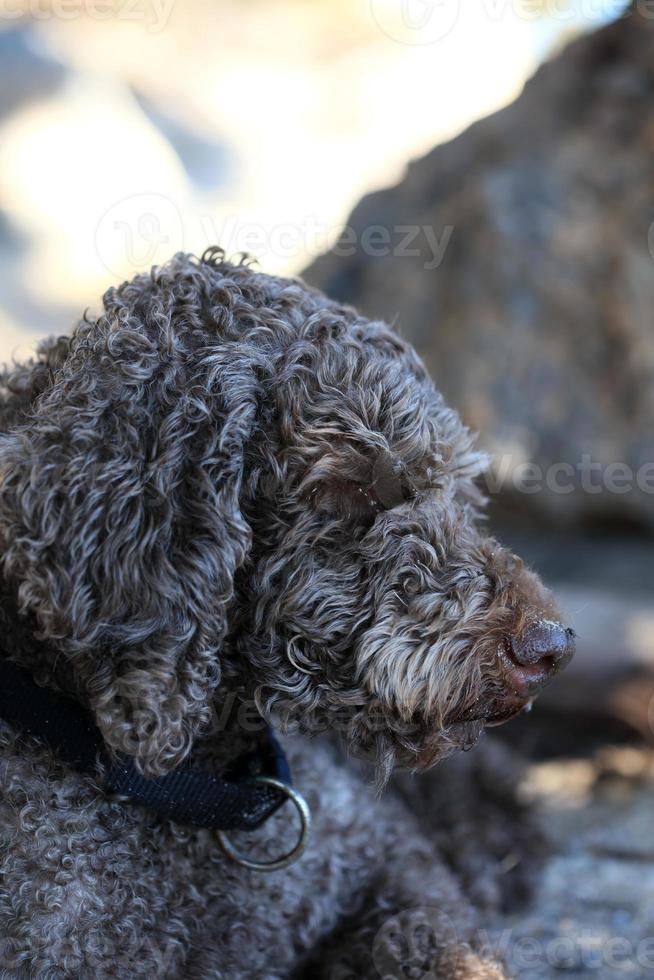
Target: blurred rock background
x,y
516,253
538,320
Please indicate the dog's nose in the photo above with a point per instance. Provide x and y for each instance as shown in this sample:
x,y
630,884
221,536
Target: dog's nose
x,y
544,643
541,651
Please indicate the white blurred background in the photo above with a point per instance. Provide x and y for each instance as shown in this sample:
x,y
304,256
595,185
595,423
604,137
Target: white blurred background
x,y
129,131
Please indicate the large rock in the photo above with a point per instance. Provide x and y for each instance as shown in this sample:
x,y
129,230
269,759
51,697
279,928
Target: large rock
x,y
538,324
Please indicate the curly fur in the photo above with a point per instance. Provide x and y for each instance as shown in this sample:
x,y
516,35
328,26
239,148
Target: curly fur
x,y
227,483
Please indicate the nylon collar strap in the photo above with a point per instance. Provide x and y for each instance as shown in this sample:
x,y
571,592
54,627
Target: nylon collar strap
x,y
189,796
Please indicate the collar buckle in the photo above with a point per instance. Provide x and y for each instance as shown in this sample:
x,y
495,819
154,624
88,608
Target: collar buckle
x,y
285,860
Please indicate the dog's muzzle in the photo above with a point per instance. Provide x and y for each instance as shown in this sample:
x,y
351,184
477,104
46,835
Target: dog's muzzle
x,y
537,655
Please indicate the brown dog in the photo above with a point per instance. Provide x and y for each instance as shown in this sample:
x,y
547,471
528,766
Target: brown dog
x,y
230,485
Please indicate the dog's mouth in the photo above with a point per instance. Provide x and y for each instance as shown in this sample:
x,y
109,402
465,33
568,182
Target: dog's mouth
x,y
499,710
524,680
522,674
464,731
528,662
502,716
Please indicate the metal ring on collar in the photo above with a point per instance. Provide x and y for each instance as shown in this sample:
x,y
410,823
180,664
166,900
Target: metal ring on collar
x,y
281,862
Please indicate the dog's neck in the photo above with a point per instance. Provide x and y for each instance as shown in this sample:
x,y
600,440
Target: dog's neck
x,y
236,726
20,643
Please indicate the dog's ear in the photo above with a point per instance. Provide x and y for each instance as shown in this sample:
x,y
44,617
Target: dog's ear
x,y
120,520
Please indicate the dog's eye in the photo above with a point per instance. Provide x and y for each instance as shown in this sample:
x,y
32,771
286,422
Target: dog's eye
x,y
387,487
390,482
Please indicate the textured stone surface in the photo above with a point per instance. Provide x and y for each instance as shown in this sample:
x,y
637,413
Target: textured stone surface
x,y
539,322
594,912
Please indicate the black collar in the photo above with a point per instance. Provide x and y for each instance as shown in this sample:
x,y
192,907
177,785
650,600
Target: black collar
x,y
190,796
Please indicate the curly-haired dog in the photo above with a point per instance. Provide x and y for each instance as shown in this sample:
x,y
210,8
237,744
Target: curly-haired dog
x,y
229,490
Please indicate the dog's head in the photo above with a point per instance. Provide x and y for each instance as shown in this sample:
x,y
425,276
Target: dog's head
x,y
228,475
